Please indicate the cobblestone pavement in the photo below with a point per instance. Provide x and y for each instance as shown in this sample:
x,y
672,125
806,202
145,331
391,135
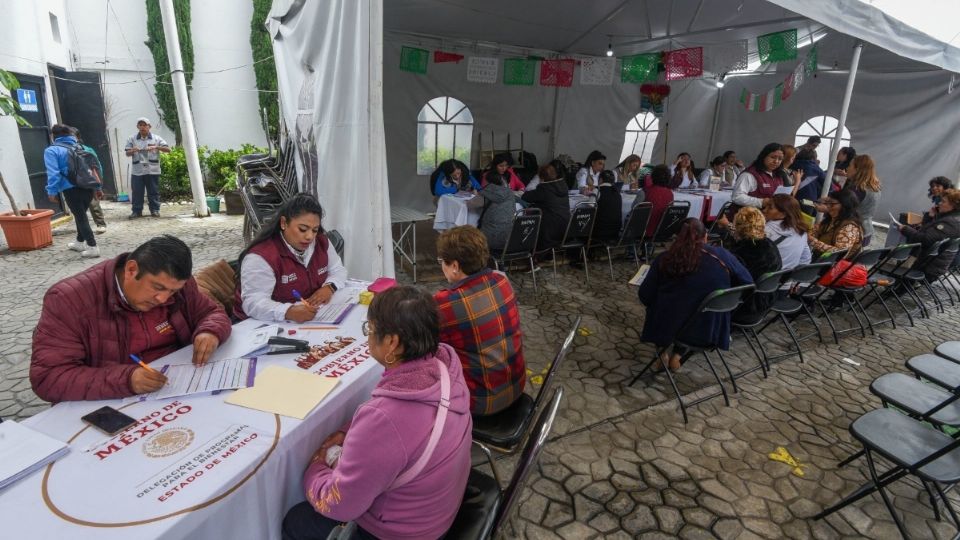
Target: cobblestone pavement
x,y
620,462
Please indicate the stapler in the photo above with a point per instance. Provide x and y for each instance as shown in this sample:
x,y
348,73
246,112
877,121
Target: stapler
x,y
283,345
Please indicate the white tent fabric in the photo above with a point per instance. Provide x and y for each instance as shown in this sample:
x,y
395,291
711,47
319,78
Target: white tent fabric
x,y
339,44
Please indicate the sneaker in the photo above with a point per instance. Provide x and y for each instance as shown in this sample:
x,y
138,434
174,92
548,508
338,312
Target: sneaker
x,y
77,246
92,252
135,216
155,214
101,229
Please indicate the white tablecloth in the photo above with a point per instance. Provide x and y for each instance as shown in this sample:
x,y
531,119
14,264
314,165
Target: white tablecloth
x,y
697,200
452,211
200,469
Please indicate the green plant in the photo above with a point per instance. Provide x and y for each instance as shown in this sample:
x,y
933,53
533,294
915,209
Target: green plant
x,y
9,107
265,69
174,176
219,167
158,47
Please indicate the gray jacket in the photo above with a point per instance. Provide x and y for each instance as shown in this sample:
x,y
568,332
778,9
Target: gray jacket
x,y
499,206
867,207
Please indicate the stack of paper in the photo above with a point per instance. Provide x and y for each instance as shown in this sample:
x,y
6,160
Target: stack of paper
x,y
284,391
23,450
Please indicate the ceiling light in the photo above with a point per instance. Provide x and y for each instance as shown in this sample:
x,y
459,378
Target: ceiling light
x,y
720,84
610,49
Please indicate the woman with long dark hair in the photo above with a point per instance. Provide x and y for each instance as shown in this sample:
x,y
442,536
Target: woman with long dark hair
x,y
840,229
290,269
502,165
588,177
678,281
552,198
761,179
681,172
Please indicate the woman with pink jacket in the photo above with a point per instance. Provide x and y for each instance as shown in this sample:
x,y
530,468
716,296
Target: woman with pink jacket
x,y
399,470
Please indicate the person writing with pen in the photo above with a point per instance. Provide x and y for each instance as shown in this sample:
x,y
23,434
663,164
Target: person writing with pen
x,y
290,269
144,303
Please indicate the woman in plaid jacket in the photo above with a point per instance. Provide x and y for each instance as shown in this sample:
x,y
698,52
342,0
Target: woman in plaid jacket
x,y
480,320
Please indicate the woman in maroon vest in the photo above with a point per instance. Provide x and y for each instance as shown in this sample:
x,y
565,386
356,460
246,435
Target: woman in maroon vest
x,y
761,179
291,256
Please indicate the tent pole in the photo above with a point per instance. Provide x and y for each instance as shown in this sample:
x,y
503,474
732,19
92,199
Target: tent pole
x,y
552,148
835,145
716,121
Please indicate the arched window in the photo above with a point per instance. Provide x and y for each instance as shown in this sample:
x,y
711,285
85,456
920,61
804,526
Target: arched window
x,y
826,128
641,133
444,131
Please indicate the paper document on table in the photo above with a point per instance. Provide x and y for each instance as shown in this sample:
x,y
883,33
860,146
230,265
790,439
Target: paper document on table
x,y
350,292
332,313
783,190
23,450
284,391
187,379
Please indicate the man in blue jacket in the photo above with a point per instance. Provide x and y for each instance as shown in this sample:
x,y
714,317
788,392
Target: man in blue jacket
x,y
55,157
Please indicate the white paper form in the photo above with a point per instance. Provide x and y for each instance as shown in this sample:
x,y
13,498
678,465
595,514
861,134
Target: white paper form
x,y
187,379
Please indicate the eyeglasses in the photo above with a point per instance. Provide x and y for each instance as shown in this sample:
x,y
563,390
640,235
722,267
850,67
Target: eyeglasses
x,y
365,328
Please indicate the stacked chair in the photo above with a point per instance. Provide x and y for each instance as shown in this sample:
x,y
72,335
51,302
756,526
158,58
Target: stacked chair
x,y
265,181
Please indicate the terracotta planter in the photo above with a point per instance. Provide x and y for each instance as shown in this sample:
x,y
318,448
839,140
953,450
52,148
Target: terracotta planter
x,y
234,203
28,231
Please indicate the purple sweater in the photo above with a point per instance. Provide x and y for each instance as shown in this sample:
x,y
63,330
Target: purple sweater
x,y
386,436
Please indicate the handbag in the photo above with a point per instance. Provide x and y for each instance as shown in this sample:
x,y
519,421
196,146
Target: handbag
x,y
849,277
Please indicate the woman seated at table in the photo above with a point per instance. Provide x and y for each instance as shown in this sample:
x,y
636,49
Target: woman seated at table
x,y
628,173
938,185
840,229
502,165
384,470
786,229
609,209
480,320
758,254
553,199
454,176
761,180
659,195
678,280
588,177
717,166
289,257
681,173
946,225
497,206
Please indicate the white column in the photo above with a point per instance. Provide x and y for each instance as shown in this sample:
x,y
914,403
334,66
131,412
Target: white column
x,y
835,145
187,130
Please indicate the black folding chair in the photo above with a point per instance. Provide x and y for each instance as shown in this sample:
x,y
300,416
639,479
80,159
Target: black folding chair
x,y
882,275
913,448
521,241
670,222
915,276
719,301
805,278
717,234
577,234
485,507
949,350
950,251
506,430
769,285
848,295
634,229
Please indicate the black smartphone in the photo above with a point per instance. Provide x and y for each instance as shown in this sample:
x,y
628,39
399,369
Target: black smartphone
x,y
109,420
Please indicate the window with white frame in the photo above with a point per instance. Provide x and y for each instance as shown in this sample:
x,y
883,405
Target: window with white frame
x,y
444,131
641,133
826,128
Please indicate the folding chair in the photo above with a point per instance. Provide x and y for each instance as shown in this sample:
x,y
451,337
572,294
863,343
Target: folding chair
x,y
485,507
716,234
506,430
915,449
719,301
668,227
805,277
767,284
868,258
521,241
949,250
949,350
915,276
897,256
634,228
577,234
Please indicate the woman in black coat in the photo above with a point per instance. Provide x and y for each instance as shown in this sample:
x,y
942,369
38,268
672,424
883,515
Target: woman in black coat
x,y
551,197
759,255
609,209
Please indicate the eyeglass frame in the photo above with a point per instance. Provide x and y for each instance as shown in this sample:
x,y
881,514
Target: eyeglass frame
x,y
365,328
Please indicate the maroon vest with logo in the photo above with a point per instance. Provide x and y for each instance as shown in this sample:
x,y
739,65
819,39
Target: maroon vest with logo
x,y
288,271
767,184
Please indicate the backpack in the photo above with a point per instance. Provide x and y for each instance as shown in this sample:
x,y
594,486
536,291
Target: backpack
x,y
82,170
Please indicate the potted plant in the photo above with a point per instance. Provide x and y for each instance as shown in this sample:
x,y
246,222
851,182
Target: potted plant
x,y
232,198
23,229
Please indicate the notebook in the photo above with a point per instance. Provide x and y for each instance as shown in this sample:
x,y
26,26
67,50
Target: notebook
x,y
23,451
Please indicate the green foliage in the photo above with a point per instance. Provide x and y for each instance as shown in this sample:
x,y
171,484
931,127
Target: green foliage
x,y
158,47
8,105
221,167
219,170
174,177
266,70
427,161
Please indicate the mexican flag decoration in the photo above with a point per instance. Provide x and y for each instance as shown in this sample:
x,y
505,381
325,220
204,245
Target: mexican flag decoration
x,y
414,60
782,92
440,57
777,47
684,63
519,71
556,72
639,68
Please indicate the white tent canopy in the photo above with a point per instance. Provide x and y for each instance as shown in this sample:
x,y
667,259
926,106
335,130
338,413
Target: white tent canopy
x,y
901,111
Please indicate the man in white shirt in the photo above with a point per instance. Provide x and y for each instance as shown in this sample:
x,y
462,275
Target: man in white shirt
x,y
145,148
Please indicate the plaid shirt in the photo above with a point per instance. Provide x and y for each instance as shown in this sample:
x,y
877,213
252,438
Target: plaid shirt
x,y
480,320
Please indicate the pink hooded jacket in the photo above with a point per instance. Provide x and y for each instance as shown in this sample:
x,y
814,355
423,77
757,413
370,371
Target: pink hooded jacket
x,y
387,435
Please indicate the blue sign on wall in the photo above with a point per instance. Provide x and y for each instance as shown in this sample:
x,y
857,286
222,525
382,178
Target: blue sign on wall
x,y
27,100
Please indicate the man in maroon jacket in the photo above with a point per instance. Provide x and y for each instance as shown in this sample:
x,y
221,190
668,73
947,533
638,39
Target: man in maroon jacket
x,y
144,303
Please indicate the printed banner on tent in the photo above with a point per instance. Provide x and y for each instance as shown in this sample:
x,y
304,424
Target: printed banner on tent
x,y
556,72
811,62
519,71
684,63
777,47
639,68
727,57
482,69
597,71
414,60
440,57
